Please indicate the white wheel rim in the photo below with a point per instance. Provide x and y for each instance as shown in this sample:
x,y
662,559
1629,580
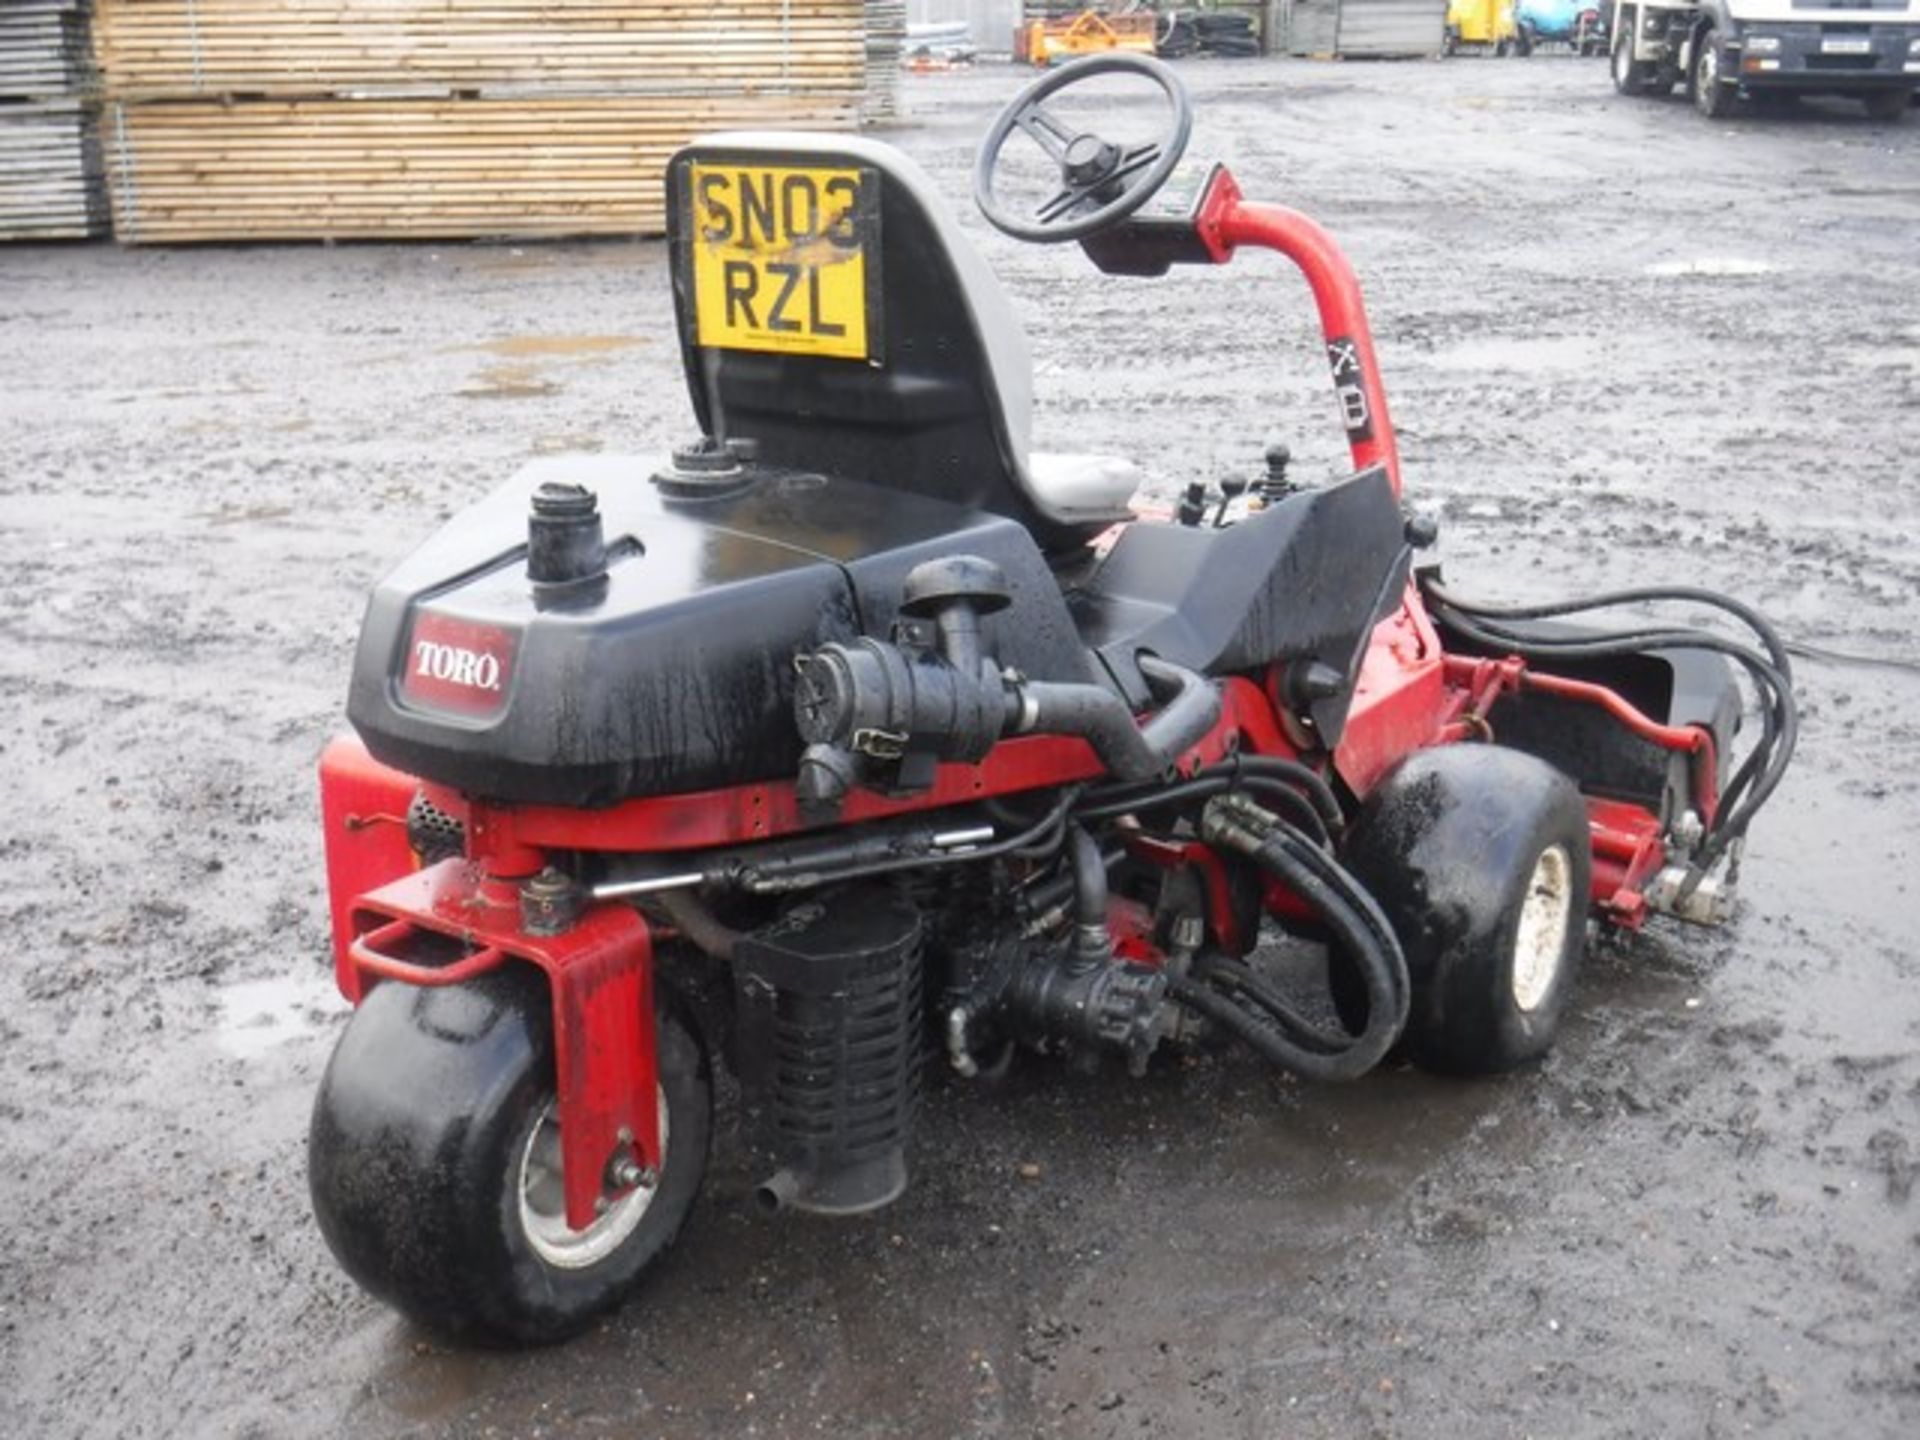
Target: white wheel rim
x,y
1622,61
543,1205
1540,940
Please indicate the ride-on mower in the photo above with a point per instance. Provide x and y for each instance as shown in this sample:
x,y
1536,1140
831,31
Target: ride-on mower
x,y
855,736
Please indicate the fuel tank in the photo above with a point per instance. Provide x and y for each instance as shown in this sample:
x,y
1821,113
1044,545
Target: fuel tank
x,y
669,665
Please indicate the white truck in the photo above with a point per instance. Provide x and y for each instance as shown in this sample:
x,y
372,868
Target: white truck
x,y
1869,49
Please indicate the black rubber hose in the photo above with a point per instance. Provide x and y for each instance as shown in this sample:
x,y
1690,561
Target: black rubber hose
x,y
699,924
1759,773
1292,785
1129,751
1275,1006
1757,776
1310,782
1366,909
1042,896
1191,710
1089,868
1133,799
1361,937
1641,595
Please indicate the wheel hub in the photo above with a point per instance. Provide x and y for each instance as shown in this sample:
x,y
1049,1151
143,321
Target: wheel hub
x,y
543,1203
1540,938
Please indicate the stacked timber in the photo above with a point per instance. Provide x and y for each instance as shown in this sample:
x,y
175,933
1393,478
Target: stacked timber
x,y
358,119
49,154
886,39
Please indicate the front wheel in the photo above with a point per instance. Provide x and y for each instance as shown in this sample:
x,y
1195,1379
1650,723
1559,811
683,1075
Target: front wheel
x,y
1480,857
1712,95
1887,105
434,1163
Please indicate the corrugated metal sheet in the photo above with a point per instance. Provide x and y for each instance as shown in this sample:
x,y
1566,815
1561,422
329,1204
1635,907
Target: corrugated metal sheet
x,y
1391,27
990,23
1313,27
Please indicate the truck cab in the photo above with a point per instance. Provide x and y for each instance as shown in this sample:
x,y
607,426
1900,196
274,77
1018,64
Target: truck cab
x,y
1868,49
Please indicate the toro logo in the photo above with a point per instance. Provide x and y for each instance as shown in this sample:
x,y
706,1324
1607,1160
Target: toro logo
x,y
457,665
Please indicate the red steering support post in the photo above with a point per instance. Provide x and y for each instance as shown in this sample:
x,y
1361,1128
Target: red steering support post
x,y
1228,221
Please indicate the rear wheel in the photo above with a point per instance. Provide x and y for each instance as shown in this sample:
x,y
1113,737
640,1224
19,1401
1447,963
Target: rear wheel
x,y
1480,856
1887,104
434,1162
1523,40
1712,95
1630,76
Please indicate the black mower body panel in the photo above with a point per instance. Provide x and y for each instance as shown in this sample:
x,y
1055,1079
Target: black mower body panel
x,y
675,673
1305,579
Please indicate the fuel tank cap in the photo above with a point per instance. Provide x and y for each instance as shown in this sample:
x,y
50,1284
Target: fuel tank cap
x,y
708,468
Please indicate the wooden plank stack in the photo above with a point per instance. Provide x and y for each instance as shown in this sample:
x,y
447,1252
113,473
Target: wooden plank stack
x,y
49,159
886,38
354,119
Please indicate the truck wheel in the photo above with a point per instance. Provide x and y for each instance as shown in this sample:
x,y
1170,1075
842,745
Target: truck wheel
x,y
1630,76
1887,105
1712,96
434,1163
1523,41
1480,857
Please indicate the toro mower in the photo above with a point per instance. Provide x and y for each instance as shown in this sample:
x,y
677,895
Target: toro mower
x,y
854,736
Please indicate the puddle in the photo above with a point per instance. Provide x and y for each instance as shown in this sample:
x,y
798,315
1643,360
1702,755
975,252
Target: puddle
x,y
260,1015
1567,353
508,382
1713,267
244,514
549,347
520,379
567,444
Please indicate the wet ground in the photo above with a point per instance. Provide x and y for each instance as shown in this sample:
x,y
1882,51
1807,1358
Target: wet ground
x,y
1621,344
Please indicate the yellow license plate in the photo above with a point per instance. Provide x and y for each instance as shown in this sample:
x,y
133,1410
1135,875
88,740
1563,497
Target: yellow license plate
x,y
780,259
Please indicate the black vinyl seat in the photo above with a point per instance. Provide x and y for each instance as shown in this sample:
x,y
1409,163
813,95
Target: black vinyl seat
x,y
945,410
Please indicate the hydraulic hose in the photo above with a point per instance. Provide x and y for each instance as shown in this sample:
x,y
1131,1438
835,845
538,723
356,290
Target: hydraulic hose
x,y
1089,878
1759,772
1362,937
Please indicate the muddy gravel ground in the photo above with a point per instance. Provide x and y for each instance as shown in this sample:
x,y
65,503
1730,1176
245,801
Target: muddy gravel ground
x,y
1621,344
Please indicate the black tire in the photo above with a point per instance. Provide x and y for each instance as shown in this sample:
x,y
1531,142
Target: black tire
x,y
1480,856
1630,76
1523,40
1712,96
1887,105
422,1139
1450,41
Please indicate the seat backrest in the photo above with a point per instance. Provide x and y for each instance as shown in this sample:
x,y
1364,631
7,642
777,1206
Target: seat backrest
x,y
831,310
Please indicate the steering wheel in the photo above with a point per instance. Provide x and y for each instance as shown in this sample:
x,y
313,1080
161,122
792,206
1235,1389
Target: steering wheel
x,y
1101,183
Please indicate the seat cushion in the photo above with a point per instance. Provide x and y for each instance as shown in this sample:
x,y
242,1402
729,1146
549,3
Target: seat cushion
x,y
1082,487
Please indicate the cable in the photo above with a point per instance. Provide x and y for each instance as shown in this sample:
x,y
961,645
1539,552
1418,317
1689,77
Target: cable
x,y
1754,780
1293,785
1610,599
